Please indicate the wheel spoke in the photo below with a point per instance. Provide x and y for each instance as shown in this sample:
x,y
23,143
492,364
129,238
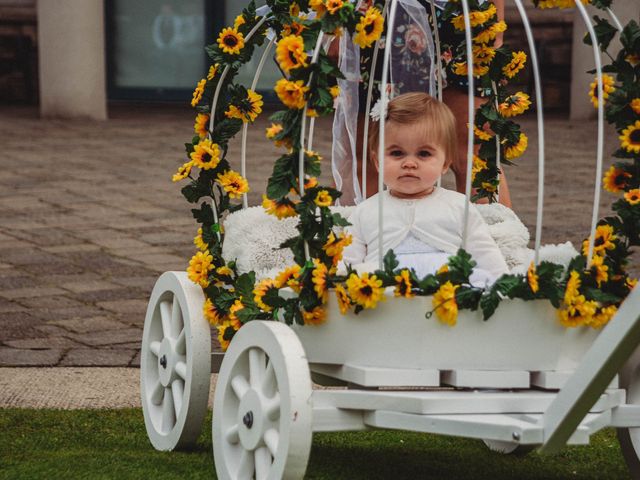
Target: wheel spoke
x,y
181,369
155,348
246,466
271,439
177,391
263,462
232,435
240,386
168,413
181,343
272,407
157,394
268,386
257,360
165,316
176,318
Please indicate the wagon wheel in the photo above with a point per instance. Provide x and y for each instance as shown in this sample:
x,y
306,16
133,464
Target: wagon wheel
x,y
630,437
175,362
508,448
262,411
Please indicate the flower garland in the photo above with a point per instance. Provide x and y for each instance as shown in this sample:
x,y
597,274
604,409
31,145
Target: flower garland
x,y
583,296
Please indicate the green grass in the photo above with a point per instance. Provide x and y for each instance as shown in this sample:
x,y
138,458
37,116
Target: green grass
x,y
99,444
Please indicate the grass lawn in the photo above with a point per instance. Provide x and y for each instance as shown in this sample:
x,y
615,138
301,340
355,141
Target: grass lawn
x,y
100,444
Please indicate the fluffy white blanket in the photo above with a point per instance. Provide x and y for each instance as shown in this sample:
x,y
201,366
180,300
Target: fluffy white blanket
x,y
252,238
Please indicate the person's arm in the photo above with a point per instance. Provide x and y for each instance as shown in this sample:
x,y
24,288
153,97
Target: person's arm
x,y
355,253
482,246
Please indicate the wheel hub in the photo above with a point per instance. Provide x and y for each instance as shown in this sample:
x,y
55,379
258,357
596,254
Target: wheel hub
x,y
251,420
166,362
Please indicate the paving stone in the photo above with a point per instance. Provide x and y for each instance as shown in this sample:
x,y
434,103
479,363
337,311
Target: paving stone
x,y
17,357
16,280
80,247
108,337
50,302
91,324
89,286
135,362
137,307
32,257
10,306
43,343
62,279
51,330
131,345
144,283
94,357
84,311
59,268
31,292
121,293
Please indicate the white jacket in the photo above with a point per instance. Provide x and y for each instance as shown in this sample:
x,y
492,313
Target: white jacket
x,y
436,219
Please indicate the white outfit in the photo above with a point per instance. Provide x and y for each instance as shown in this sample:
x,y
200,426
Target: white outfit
x,y
423,233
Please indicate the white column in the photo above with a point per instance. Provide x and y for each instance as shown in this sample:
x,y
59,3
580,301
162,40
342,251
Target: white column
x,y
71,49
582,56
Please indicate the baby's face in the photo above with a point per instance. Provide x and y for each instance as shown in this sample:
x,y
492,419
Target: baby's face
x,y
412,163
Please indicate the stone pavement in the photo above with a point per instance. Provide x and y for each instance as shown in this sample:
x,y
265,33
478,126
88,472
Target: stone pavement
x,y
89,218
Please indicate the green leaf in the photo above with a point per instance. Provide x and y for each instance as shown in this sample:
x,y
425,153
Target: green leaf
x,y
488,303
245,284
390,262
204,214
604,33
195,191
600,296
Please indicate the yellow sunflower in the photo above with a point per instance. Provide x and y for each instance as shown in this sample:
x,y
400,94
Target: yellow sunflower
x,y
615,180
460,68
316,316
344,302
335,245
323,199
199,242
476,18
572,290
201,127
272,131
515,150
532,278
197,93
226,331
517,63
230,41
319,7
290,53
213,69
293,28
633,59
630,138
489,187
260,291
319,279
233,313
211,312
631,282
443,269
601,270
365,290
602,316
289,277
607,88
514,104
403,285
183,172
282,208
482,134
335,91
633,196
247,109
238,21
478,166
579,312
604,240
199,267
635,105
483,54
224,272
333,6
445,305
233,183
291,93
369,28
206,154
559,3
489,34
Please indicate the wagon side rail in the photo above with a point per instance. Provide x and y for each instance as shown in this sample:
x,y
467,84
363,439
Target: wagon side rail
x,y
600,364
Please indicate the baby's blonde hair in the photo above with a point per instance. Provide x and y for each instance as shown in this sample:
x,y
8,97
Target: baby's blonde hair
x,y
416,107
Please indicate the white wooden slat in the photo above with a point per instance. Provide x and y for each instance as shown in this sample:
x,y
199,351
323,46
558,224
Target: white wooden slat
x,y
625,416
555,380
376,376
485,378
331,419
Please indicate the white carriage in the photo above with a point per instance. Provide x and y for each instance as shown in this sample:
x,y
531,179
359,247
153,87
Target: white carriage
x,y
518,381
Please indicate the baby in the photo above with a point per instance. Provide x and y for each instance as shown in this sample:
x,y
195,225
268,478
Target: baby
x,y
423,223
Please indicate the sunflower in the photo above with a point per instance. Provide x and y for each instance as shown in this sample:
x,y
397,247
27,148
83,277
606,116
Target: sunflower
x,y
633,59
206,155
201,127
273,131
197,93
319,7
366,291
572,290
601,270
482,54
602,316
316,316
226,331
559,3
445,305
489,187
635,105
514,104
344,302
607,88
233,313
238,21
460,68
225,273
369,28
323,199
532,278
199,267
293,28
291,93
289,277
335,91
631,282
281,208
183,172
630,138
211,312
517,63
579,312
478,166
604,240
233,183
615,180
260,291
476,18
335,245
403,284
199,242
482,134
489,34
334,5
230,41
213,69
515,150
290,53
247,109
443,269
633,196
319,279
